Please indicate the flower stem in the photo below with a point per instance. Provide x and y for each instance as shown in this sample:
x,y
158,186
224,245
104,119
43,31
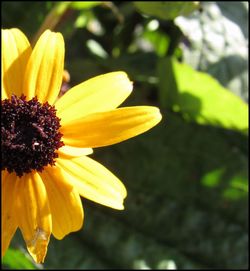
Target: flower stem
x,y
52,19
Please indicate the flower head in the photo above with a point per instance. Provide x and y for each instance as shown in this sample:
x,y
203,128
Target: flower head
x,y
46,140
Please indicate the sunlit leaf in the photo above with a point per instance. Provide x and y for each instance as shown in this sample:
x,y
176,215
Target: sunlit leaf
x,y
199,97
96,48
15,259
159,40
84,4
166,10
233,194
213,178
234,188
239,183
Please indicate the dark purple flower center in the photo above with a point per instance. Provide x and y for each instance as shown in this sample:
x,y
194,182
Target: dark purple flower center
x,y
30,135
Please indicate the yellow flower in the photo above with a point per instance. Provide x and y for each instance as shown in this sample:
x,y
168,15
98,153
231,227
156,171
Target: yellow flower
x,y
46,140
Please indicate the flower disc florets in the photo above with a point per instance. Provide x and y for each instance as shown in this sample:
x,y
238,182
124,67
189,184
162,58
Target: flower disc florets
x,y
30,135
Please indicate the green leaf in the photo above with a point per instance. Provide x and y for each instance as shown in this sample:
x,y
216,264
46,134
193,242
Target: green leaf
x,y
15,259
212,178
166,10
159,40
78,5
199,97
96,48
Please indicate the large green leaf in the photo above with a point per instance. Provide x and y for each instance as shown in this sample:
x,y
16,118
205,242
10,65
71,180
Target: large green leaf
x,y
166,10
199,97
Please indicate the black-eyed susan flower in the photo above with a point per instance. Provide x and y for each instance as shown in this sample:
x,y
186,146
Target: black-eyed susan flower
x,y
46,140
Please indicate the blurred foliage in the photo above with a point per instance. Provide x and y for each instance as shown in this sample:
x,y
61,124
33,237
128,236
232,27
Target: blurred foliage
x,y
187,183
15,259
166,10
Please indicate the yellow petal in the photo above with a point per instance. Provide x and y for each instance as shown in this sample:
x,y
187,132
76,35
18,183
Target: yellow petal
x,y
101,93
34,217
65,203
106,128
9,222
16,51
44,72
70,152
4,93
93,181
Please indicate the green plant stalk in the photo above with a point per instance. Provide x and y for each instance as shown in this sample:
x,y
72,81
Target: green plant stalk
x,y
52,19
